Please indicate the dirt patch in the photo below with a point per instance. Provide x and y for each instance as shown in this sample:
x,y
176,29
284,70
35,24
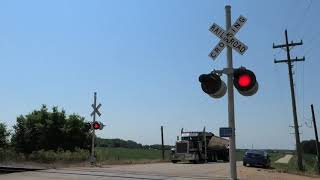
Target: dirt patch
x,y
285,159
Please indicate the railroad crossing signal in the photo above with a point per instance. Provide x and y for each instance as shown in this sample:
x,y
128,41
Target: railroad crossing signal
x,y
244,82
94,125
227,38
96,109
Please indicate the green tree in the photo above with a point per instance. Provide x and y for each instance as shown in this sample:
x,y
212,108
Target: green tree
x,y
4,134
74,133
46,130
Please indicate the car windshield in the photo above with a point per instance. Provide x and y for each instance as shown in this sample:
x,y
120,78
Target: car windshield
x,y
259,152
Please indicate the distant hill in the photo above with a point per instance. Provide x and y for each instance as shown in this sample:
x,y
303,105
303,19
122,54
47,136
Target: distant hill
x,y
101,142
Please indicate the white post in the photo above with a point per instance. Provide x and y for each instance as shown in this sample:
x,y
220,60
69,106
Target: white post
x,y
232,149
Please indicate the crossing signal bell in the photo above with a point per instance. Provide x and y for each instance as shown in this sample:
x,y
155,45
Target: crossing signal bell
x,y
213,85
245,82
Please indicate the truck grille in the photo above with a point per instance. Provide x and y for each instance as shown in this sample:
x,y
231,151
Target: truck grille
x,y
182,147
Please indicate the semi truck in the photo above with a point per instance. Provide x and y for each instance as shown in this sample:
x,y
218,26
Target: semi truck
x,y
200,147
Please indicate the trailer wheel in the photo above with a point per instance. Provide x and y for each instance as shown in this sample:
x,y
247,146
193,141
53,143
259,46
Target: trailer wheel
x,y
209,158
196,160
215,158
174,161
226,159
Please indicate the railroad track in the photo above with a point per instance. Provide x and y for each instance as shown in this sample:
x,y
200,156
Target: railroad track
x,y
7,169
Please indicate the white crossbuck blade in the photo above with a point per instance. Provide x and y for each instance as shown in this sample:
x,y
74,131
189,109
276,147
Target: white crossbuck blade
x,y
227,38
96,110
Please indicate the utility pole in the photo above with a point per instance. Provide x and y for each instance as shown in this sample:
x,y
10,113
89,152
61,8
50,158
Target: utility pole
x,y
162,144
294,109
317,140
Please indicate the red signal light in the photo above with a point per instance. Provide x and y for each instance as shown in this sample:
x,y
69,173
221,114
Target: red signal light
x,y
244,80
96,125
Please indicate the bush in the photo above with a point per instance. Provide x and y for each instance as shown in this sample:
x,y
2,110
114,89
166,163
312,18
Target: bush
x,y
9,154
309,147
59,156
46,130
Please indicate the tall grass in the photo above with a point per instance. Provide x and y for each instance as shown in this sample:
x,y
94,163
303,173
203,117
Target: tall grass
x,y
80,155
117,154
9,154
65,156
45,156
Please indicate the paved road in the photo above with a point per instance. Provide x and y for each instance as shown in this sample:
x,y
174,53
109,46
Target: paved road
x,y
160,171
285,159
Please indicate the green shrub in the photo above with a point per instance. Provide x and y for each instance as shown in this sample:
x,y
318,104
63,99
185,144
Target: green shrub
x,y
59,156
8,154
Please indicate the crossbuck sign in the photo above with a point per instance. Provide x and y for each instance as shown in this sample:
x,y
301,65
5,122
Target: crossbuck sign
x,y
96,109
227,38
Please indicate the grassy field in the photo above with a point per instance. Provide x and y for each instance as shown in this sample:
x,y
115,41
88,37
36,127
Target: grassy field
x,y
309,163
125,154
102,154
239,154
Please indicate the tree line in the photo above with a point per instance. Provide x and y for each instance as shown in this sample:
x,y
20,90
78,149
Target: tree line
x,y
55,130
45,130
128,144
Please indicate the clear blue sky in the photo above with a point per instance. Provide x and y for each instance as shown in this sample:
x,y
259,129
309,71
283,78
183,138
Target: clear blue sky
x,y
144,58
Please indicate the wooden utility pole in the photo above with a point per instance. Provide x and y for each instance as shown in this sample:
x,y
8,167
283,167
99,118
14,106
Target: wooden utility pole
x,y
317,140
162,145
294,109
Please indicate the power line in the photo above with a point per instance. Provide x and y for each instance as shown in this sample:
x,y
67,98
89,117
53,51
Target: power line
x,y
311,44
301,22
299,25
303,92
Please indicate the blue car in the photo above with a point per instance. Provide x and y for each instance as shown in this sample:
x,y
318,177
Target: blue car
x,y
256,158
